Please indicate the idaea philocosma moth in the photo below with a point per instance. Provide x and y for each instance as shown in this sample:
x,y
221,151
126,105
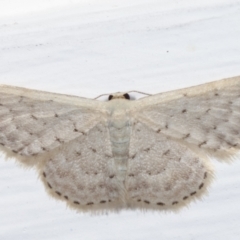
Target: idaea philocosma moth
x,y
152,153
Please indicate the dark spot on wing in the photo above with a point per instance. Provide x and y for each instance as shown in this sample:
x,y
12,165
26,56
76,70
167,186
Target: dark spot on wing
x,y
58,193
232,144
203,143
59,140
133,156
147,150
186,136
78,153
166,152
35,118
93,150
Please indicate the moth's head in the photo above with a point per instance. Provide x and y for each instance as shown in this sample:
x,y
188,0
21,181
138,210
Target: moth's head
x,y
119,95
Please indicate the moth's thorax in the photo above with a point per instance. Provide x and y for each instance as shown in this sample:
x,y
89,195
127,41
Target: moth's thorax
x,y
118,105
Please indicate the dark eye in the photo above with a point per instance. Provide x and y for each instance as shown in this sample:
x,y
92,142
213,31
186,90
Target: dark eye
x,y
110,97
126,95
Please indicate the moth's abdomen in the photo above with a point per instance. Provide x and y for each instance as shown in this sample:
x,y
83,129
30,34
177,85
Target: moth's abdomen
x,y
119,130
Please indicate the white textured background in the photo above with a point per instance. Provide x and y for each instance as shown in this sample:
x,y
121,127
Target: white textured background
x,y
90,47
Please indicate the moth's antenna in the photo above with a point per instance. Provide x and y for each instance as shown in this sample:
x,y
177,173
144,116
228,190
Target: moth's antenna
x,y
105,94
139,92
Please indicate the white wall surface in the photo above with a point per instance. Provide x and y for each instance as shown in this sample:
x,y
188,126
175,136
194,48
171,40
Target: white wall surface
x,y
87,48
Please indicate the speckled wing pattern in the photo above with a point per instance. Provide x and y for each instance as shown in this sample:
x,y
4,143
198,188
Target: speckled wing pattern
x,y
173,135
69,145
162,173
206,117
29,127
152,153
82,172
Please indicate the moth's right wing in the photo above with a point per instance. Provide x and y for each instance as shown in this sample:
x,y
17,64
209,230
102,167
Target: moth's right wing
x,y
162,173
205,117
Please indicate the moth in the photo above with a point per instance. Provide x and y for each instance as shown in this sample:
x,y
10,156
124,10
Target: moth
x,y
150,154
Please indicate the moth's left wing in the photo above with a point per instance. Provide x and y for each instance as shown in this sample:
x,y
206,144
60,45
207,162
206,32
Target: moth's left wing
x,y
34,122
205,117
